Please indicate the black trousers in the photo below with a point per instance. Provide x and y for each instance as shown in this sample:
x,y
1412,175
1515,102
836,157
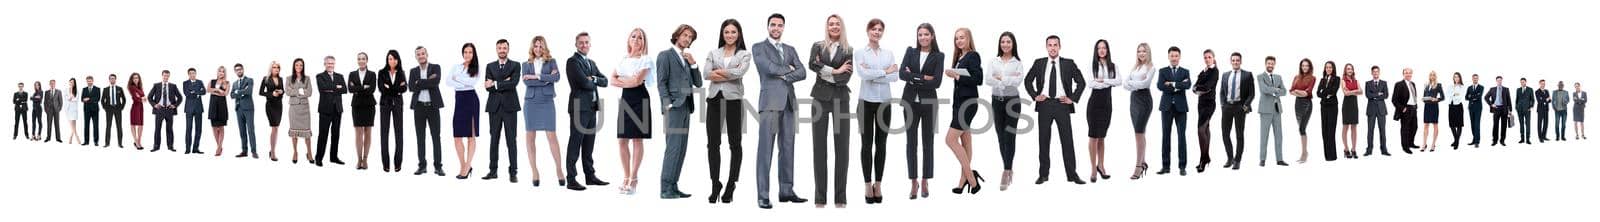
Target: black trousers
x,y
328,126
1062,121
427,120
875,122
21,122
1474,111
1168,120
1455,124
827,113
391,117
1408,128
1330,121
1233,132
91,125
503,122
1524,125
192,124
1502,121
724,116
1006,110
163,121
919,123
1544,123
580,143
113,121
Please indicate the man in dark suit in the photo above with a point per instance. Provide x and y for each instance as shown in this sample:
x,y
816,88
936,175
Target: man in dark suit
x,y
779,67
20,99
164,100
52,112
114,100
193,89
502,108
1238,89
425,105
1542,97
1475,108
1405,110
245,109
91,111
330,104
1377,91
1525,97
1499,100
679,76
583,104
1055,84
1173,82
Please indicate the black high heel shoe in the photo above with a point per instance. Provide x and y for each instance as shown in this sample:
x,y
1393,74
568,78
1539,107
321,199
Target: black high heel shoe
x,y
979,185
1103,175
463,177
716,192
960,189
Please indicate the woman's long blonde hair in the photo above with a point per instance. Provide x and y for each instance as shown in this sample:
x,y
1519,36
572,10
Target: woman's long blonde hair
x,y
542,54
844,39
644,43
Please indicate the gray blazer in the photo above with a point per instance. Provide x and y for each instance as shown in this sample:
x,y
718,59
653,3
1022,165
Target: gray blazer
x,y
731,88
52,101
245,101
677,80
1271,88
778,74
824,64
1377,90
1559,100
542,90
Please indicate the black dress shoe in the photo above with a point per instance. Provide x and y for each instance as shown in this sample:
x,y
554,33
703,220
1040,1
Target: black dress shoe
x,y
336,161
792,199
1041,180
420,171
764,204
674,195
1077,181
1200,169
438,172
1281,163
535,183
576,187
513,177
595,182
1163,171
492,175
1183,172
241,155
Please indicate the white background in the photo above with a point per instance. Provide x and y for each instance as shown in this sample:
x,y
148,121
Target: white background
x,y
69,39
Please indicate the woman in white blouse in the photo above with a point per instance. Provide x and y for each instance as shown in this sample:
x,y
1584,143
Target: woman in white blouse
x,y
464,78
70,109
1456,96
1005,74
1104,77
1139,104
634,116
877,70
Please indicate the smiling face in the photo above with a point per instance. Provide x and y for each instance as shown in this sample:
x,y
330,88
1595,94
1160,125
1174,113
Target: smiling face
x,y
1211,59
389,60
636,42
1142,53
1235,61
1305,66
467,54
361,60
1053,47
1174,56
327,64
963,41
835,28
299,67
422,57
1102,50
924,39
237,70
874,33
1271,63
583,44
501,49
1005,46
775,28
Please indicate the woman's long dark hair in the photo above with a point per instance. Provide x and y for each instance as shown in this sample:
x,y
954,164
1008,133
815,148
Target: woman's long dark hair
x,y
1110,66
297,75
1007,35
933,37
72,86
739,44
398,63
472,66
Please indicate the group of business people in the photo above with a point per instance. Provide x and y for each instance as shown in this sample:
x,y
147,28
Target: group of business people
x,y
1054,86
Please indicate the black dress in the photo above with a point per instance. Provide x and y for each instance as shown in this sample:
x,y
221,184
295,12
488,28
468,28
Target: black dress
x,y
218,107
1430,109
274,103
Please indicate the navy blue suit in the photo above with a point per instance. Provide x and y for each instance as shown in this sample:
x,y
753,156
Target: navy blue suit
x,y
1173,82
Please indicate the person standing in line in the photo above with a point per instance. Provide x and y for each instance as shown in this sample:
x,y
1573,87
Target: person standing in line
x,y
1499,100
219,90
1004,75
272,90
1304,82
136,95
1056,84
1559,100
1105,77
1542,98
1475,98
1205,88
1328,91
1580,99
426,100
726,67
779,67
37,126
299,110
330,104
1238,91
193,90
967,71
54,102
391,105
1352,110
1525,103
501,84
20,125
90,95
114,99
583,104
164,104
679,76
362,82
1271,111
464,80
1139,104
1456,97
1431,95
831,60
246,107
1174,111
539,77
1377,91
632,74
1405,100
73,108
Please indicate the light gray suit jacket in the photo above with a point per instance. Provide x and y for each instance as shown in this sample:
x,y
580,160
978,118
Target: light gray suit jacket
x,y
1271,89
778,74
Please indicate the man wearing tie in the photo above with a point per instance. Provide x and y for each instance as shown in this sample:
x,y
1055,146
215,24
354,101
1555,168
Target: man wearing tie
x,y
1237,92
779,67
502,108
1405,110
330,104
1499,100
52,112
1271,112
1525,97
680,75
1055,106
425,105
1542,97
582,105
91,112
1174,111
1377,90
246,110
114,100
193,89
1475,108
164,99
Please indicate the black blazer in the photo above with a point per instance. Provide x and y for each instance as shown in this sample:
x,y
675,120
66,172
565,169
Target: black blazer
x,y
503,95
429,82
1247,90
91,98
390,89
967,86
585,80
1498,94
20,99
1328,88
1524,99
1475,95
170,92
912,70
114,102
840,88
361,89
1402,95
330,99
1071,80
1542,97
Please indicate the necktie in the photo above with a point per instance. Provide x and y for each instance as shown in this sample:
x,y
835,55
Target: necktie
x,y
1052,79
1233,86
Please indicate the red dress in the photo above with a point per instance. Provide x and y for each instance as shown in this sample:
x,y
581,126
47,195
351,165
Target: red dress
x,y
136,116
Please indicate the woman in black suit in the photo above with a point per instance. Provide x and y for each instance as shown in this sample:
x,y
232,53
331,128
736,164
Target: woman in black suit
x,y
923,73
391,84
1105,77
1328,91
219,106
272,89
967,71
363,108
38,111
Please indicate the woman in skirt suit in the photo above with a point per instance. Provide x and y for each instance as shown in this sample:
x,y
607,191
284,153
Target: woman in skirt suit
x,y
958,137
299,110
218,110
1431,96
540,75
1105,77
272,90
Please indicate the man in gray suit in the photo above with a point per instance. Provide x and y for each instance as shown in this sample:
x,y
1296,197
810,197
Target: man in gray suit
x,y
680,75
1271,111
52,111
1377,91
246,109
779,67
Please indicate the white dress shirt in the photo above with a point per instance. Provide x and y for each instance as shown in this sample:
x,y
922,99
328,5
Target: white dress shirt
x,y
1107,79
1139,78
461,81
875,83
1009,73
631,66
1456,94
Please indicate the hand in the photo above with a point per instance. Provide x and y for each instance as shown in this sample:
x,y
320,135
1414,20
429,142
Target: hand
x,y
1171,84
891,68
433,76
927,77
277,93
848,65
1039,98
688,58
488,83
530,77
1065,100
